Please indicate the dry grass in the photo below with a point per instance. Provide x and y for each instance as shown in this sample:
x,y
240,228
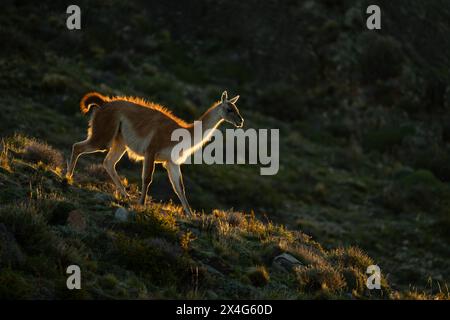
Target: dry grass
x,y
351,256
97,171
259,276
308,255
36,152
320,278
4,158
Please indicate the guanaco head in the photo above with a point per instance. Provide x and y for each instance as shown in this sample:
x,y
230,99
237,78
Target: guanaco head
x,y
229,111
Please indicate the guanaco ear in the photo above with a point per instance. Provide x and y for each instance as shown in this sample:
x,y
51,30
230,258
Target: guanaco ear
x,y
224,96
233,100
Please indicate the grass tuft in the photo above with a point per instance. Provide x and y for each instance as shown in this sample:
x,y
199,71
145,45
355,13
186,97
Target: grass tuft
x,y
259,276
36,152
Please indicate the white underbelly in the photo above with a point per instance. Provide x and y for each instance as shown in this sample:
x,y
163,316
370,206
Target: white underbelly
x,y
135,144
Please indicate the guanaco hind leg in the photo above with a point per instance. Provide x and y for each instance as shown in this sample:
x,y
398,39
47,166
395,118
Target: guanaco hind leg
x,y
176,179
148,168
115,153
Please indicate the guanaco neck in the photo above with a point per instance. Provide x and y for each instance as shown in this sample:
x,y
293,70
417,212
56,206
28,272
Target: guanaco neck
x,y
210,120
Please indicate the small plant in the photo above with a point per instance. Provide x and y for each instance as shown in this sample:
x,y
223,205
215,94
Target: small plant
x,y
97,171
417,189
4,159
315,279
308,255
351,257
108,281
28,226
13,285
381,58
161,261
355,280
186,240
36,152
259,276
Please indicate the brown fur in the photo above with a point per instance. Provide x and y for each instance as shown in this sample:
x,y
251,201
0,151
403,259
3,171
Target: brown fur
x,y
92,98
143,129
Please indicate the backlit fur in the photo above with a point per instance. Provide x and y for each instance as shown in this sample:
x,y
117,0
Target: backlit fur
x,y
143,129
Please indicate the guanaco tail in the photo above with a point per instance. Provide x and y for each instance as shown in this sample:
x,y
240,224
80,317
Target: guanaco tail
x,y
143,130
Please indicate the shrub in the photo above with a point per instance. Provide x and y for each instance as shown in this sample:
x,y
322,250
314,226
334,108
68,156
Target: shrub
x,y
28,226
351,257
381,58
385,139
116,61
258,276
355,280
436,160
236,219
13,285
35,151
4,157
10,252
108,281
319,278
420,189
160,261
281,101
151,222
308,255
59,214
97,171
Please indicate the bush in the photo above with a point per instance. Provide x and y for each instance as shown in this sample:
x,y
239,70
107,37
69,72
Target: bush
x,y
419,189
59,214
108,281
28,226
14,286
434,159
351,257
97,171
308,255
320,278
282,102
151,222
381,58
36,151
258,276
355,280
160,261
385,139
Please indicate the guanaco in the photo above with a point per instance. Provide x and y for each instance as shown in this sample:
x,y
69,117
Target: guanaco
x,y
143,129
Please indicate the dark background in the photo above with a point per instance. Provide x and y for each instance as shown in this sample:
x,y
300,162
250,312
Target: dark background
x,y
363,115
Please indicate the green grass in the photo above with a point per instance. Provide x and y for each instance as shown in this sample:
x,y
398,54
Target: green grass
x,y
221,254
363,145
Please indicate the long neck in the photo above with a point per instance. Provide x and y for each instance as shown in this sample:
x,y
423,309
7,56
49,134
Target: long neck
x,y
202,129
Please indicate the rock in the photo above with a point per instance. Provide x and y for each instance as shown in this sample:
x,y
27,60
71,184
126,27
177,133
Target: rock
x,y
103,197
286,262
10,252
121,214
76,220
212,295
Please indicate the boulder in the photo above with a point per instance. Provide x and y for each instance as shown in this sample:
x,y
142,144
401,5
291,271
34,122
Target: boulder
x,y
286,262
103,197
121,214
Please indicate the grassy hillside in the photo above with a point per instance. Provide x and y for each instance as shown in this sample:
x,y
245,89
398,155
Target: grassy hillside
x,y
48,223
364,150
